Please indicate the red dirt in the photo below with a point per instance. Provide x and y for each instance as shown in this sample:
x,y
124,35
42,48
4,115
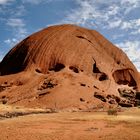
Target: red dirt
x,y
67,126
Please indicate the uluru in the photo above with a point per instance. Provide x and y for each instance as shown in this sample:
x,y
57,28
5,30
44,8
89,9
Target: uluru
x,y
69,70
68,67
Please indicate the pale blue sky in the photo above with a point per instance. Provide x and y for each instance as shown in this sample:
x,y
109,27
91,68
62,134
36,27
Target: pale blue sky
x,y
117,20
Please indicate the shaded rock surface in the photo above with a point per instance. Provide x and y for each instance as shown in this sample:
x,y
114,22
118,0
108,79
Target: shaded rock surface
x,y
68,55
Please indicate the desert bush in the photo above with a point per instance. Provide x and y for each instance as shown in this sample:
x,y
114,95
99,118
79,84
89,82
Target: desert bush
x,y
112,111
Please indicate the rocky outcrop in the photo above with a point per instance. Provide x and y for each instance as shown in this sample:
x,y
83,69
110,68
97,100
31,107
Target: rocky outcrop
x,y
100,96
127,98
70,54
130,97
126,93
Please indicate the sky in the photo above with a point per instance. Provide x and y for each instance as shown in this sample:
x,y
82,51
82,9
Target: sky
x,y
117,20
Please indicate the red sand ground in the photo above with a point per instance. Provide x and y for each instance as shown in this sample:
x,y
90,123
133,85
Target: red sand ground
x,y
73,126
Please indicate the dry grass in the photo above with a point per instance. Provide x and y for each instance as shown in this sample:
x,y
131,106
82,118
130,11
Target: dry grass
x,y
68,125
128,115
7,111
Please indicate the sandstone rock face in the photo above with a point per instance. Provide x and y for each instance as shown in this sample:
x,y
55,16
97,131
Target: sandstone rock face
x,y
70,52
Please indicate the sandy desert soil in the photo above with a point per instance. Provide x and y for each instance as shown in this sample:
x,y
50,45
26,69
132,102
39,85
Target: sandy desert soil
x,y
71,126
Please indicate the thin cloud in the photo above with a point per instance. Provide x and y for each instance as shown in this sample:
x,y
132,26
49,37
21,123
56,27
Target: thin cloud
x,y
15,22
131,24
32,1
11,42
36,2
5,1
19,30
132,48
107,14
21,11
18,26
